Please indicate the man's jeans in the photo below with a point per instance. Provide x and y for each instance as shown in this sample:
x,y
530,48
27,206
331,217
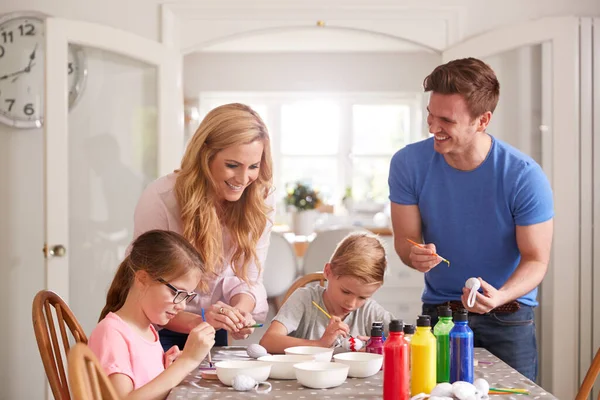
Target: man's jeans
x,y
510,337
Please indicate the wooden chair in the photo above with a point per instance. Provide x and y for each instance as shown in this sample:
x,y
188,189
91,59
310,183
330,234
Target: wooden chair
x,y
303,281
590,378
47,339
87,379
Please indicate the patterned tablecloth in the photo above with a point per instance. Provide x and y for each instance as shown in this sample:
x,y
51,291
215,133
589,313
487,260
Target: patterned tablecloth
x,y
495,371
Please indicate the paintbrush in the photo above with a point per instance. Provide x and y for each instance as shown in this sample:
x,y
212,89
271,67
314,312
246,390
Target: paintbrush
x,y
423,247
323,311
507,390
209,357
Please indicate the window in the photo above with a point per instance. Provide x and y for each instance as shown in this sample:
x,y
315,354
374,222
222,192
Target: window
x,y
333,141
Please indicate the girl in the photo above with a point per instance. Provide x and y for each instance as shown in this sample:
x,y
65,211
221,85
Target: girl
x,y
152,285
220,200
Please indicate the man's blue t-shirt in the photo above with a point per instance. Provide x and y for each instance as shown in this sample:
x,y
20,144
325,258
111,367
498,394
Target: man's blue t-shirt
x,y
471,216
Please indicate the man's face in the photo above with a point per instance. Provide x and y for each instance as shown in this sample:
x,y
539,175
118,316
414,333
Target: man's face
x,y
451,124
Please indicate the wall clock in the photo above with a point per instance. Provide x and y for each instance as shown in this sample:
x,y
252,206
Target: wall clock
x,y
22,49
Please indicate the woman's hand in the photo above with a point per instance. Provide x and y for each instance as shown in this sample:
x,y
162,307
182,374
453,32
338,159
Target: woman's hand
x,y
223,316
199,342
244,332
170,356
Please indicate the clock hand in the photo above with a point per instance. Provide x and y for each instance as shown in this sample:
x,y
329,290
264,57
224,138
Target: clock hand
x,y
31,58
13,74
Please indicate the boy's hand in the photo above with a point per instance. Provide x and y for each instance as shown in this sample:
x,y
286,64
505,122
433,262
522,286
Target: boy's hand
x,y
170,356
335,328
199,343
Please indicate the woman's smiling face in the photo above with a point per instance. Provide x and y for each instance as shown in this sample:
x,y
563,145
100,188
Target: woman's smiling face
x,y
235,168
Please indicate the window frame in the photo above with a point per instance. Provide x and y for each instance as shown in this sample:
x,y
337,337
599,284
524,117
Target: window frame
x,y
274,100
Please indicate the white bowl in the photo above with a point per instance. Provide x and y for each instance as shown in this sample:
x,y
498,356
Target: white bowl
x,y
321,375
282,365
227,370
361,365
321,353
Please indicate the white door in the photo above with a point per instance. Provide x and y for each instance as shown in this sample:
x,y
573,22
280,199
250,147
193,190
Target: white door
x,y
537,65
124,130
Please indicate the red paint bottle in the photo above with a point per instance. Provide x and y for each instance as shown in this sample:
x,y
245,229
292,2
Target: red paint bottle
x,y
395,364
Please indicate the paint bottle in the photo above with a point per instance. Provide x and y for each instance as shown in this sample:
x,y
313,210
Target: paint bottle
x,y
441,331
409,331
423,355
375,343
395,364
461,349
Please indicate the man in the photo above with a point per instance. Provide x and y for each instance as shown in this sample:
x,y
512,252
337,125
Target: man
x,y
481,204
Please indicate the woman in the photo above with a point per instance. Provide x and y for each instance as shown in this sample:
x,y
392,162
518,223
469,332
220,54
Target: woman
x,y
221,201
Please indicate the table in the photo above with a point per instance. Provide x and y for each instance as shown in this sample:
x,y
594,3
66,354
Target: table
x,y
495,371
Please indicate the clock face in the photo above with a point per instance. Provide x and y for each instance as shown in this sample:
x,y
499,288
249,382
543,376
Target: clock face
x,y
22,70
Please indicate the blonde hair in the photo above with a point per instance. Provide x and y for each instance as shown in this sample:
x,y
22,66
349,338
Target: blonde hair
x,y
360,255
162,254
202,213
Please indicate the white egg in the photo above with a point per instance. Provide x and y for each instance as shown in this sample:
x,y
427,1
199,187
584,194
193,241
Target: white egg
x,y
440,398
256,350
243,383
420,396
442,389
483,387
472,283
463,390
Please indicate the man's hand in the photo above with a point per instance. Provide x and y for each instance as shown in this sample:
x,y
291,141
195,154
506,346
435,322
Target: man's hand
x,y
490,299
424,259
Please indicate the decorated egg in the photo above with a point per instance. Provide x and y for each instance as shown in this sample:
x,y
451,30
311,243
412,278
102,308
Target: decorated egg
x,y
243,383
463,390
352,344
442,390
256,350
482,386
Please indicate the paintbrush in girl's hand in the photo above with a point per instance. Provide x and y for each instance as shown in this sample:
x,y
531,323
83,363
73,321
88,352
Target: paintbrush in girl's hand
x,y
209,357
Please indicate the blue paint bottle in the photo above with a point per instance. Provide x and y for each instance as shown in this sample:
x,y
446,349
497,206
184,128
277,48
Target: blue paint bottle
x,y
461,349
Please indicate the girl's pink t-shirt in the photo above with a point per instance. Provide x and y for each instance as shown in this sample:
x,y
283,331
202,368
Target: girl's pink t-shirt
x,y
123,351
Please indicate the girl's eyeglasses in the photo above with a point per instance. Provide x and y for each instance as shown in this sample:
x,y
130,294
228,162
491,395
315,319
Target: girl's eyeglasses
x,y
180,295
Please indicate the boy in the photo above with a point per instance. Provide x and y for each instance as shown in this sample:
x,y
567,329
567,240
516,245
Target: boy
x,y
354,273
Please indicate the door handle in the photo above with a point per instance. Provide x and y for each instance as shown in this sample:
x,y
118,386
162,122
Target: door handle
x,y
57,250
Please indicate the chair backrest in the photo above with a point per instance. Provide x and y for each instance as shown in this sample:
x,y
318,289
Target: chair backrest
x,y
281,266
590,378
305,280
87,378
321,248
48,341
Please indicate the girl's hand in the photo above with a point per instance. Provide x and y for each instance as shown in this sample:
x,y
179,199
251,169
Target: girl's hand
x,y
335,328
223,316
199,342
170,356
244,332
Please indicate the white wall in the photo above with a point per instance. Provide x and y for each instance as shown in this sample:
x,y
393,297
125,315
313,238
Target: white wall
x,y
346,72
141,17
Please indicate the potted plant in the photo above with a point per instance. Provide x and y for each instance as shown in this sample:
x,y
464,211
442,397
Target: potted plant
x,y
302,200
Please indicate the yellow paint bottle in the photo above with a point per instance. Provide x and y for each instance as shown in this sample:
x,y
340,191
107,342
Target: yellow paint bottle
x,y
423,356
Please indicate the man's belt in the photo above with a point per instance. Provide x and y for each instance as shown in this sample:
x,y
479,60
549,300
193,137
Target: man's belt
x,y
507,308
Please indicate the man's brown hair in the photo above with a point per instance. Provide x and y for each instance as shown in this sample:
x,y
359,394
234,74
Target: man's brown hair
x,y
471,78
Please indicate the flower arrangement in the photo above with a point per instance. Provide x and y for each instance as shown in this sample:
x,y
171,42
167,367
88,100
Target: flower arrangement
x,y
302,197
